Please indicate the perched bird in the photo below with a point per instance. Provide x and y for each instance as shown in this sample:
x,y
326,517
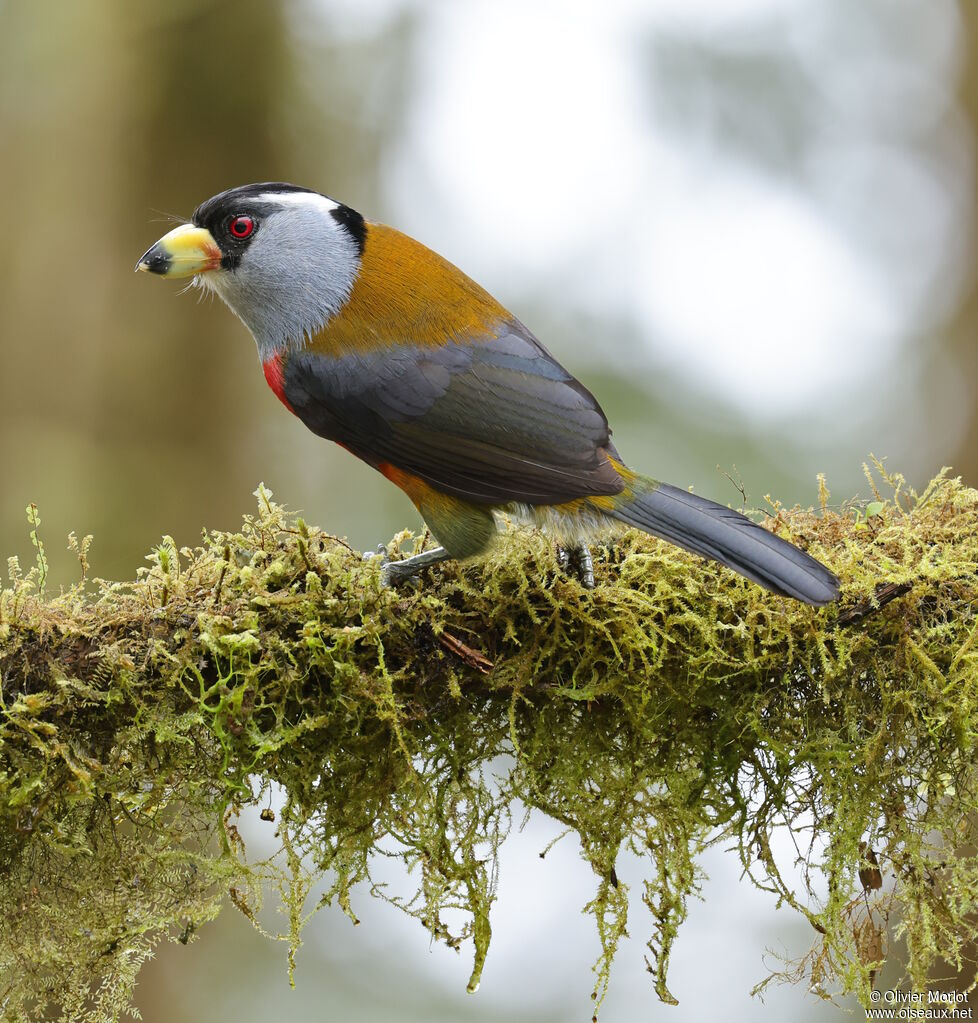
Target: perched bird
x,y
381,345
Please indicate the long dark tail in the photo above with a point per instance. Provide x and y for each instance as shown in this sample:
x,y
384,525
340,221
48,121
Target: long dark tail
x,y
707,528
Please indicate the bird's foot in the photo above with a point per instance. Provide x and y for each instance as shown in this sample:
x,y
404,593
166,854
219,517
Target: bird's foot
x,y
395,573
576,561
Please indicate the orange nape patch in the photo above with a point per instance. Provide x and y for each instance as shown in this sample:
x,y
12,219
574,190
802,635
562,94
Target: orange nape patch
x,y
405,294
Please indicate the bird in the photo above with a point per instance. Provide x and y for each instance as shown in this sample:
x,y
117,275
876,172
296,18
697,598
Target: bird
x,y
379,344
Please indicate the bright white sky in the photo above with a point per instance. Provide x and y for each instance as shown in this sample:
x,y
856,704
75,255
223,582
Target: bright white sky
x,y
534,155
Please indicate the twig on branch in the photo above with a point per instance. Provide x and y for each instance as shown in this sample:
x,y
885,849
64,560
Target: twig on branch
x,y
885,592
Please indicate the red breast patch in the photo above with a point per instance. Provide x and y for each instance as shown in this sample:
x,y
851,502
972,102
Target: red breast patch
x,y
275,376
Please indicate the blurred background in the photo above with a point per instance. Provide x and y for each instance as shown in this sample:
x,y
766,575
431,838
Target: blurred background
x,y
747,225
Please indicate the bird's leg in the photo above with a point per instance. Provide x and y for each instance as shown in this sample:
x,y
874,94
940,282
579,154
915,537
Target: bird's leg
x,y
576,560
395,572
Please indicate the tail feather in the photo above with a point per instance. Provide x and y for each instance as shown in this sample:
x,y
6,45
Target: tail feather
x,y
707,528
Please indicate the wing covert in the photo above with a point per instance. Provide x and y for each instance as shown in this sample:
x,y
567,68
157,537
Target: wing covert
x,y
491,421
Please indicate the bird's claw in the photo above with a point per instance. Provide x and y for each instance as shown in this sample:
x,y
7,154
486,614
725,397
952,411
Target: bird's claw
x,y
398,573
577,561
381,553
389,576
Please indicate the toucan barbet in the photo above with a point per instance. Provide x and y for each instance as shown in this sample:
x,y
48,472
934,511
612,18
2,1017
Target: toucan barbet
x,y
381,345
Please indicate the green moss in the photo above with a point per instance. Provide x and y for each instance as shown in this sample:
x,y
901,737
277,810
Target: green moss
x,y
672,707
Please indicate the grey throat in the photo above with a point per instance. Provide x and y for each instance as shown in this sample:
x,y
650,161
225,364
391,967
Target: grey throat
x,y
294,277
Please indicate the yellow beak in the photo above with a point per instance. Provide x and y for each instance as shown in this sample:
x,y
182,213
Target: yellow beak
x,y
184,251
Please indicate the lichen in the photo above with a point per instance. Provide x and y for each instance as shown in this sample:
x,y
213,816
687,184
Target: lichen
x,y
672,707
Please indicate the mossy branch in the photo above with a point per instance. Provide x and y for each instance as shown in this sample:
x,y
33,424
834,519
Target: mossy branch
x,y
672,707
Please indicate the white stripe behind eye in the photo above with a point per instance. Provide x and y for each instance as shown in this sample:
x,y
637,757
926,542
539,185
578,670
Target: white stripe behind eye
x,y
300,199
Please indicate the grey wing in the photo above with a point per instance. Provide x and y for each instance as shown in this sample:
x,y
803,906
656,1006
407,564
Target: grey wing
x,y
491,422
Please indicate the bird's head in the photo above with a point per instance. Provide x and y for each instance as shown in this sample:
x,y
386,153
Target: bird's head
x,y
283,258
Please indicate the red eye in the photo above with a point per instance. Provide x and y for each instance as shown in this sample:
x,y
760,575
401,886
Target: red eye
x,y
241,227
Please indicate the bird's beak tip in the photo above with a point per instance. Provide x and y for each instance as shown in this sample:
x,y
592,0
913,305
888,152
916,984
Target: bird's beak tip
x,y
185,251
